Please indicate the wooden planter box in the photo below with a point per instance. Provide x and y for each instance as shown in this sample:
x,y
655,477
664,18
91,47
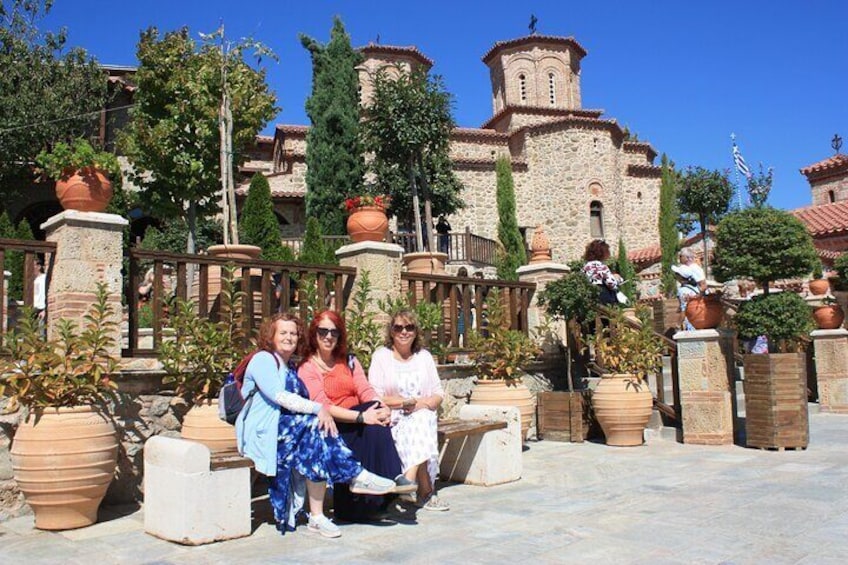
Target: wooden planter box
x,y
667,316
776,401
560,416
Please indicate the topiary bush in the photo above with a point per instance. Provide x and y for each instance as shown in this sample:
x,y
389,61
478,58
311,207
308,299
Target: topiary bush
x,y
781,317
572,297
258,225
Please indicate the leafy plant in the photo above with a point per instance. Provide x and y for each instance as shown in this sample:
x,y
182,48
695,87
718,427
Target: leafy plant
x,y
74,369
501,352
623,349
314,250
759,186
841,267
203,350
66,158
571,297
705,195
627,271
817,270
669,234
782,317
364,333
379,200
514,253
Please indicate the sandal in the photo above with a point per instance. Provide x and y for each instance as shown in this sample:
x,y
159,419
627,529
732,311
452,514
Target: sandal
x,y
434,503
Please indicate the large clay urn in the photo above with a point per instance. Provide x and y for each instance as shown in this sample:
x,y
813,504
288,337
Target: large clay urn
x,y
622,405
63,460
704,312
203,425
500,393
86,190
425,262
230,251
367,223
819,287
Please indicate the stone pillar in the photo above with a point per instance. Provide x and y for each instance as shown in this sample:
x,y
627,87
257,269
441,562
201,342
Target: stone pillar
x,y
383,263
704,361
542,274
89,249
831,354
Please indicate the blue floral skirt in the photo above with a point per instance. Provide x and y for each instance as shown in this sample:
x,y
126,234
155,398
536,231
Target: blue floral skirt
x,y
303,452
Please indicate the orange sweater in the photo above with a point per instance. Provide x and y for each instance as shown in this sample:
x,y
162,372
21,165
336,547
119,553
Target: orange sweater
x,y
337,387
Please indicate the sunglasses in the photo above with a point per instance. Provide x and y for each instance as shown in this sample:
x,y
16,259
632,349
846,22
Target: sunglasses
x,y
324,332
397,328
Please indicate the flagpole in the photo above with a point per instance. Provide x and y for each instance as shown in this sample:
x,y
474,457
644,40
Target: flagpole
x,y
736,172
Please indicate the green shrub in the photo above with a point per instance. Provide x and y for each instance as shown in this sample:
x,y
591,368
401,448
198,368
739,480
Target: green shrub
x,y
79,154
782,317
572,297
258,225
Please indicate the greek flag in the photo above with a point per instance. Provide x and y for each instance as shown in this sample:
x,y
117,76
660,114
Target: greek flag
x,y
739,161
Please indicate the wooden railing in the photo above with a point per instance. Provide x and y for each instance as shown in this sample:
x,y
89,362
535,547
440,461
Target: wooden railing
x,y
267,287
31,250
462,247
463,303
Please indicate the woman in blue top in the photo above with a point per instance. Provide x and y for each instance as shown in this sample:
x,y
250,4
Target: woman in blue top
x,y
291,439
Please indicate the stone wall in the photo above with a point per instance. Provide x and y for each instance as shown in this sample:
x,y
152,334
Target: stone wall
x,y
821,189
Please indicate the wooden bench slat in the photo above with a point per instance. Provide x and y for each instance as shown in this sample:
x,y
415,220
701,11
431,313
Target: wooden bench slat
x,y
449,429
229,459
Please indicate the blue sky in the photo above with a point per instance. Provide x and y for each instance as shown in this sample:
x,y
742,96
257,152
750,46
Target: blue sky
x,y
682,75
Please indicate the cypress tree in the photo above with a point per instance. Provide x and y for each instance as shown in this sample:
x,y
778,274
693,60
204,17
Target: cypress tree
x,y
314,250
514,254
334,154
668,216
258,225
627,271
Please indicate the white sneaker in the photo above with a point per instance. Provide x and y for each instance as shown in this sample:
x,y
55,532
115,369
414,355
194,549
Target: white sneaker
x,y
322,525
369,483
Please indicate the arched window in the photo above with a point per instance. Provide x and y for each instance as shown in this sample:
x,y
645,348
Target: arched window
x,y
831,196
596,220
552,89
522,87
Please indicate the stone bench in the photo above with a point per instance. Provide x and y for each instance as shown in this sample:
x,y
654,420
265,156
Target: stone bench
x,y
482,447
193,496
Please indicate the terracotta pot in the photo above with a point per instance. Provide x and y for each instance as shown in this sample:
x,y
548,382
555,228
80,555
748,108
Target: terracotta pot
x,y
704,312
86,190
499,393
202,424
231,251
367,223
819,287
63,461
829,316
425,262
622,406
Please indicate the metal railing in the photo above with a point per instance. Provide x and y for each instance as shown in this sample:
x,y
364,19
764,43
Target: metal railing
x,y
461,247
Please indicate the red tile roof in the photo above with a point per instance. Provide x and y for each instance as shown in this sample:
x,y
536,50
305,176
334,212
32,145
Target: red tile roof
x,y
648,255
829,165
476,133
530,40
824,219
543,110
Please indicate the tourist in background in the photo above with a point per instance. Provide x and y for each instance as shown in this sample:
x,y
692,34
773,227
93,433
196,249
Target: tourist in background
x,y
691,282
404,375
596,254
292,439
337,380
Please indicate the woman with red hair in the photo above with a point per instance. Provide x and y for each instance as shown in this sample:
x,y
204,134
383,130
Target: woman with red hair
x,y
337,380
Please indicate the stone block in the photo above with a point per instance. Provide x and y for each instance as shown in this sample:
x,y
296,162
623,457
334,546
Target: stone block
x,y
485,459
833,393
707,418
186,502
692,374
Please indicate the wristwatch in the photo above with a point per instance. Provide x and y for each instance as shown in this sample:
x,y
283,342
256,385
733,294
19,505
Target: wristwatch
x,y
360,419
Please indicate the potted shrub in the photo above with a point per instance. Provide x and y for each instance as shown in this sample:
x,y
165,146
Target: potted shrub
x,y
81,173
65,450
828,314
766,244
198,358
367,220
622,401
498,354
818,284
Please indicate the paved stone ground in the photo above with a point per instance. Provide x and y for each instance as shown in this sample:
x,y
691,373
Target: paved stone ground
x,y
661,503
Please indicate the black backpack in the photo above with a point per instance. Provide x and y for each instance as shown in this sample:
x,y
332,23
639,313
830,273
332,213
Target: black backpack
x,y
230,400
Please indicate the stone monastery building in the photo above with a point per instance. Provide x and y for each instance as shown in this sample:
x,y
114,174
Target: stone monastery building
x,y
575,172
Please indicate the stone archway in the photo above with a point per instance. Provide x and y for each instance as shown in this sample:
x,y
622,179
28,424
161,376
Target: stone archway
x,y
36,214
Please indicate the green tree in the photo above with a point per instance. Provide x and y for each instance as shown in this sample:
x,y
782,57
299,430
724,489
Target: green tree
x,y
627,271
408,129
314,250
334,152
705,195
259,225
668,217
764,244
15,259
173,139
48,93
172,236
514,253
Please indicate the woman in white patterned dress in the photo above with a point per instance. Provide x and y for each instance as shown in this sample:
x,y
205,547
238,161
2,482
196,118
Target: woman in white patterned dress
x,y
404,375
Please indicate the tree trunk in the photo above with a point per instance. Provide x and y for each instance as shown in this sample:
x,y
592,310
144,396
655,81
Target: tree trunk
x,y
419,240
428,209
228,196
